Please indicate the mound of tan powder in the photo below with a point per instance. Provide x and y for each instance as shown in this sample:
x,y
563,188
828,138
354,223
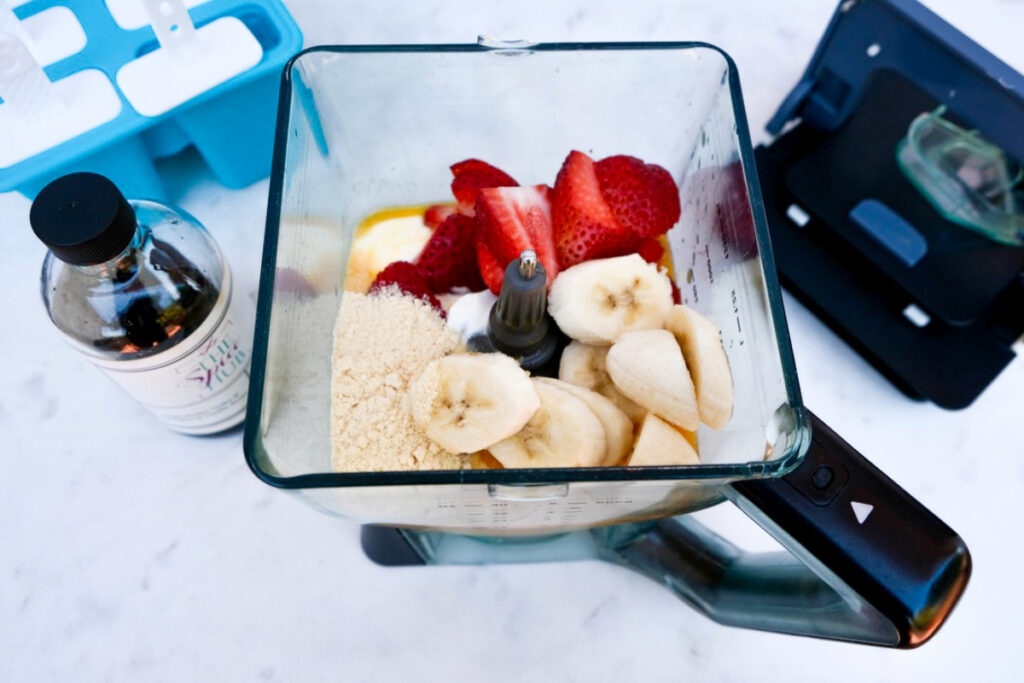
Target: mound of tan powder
x,y
382,343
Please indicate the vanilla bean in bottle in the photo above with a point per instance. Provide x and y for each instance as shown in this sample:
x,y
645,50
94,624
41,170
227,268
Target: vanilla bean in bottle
x,y
143,291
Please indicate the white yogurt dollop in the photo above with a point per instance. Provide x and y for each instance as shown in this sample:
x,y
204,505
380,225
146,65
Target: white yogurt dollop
x,y
468,316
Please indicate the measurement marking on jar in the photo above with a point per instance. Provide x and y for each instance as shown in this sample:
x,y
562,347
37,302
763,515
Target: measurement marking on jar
x,y
725,242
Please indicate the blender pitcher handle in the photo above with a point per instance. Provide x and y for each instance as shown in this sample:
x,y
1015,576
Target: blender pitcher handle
x,y
869,564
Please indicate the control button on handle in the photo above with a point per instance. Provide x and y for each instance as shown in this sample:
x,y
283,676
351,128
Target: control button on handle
x,y
864,535
823,477
861,511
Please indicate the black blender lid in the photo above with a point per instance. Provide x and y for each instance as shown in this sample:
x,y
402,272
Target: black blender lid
x,y
865,36
83,218
934,306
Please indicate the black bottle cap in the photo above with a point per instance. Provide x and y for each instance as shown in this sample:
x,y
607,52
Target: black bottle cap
x,y
83,218
518,324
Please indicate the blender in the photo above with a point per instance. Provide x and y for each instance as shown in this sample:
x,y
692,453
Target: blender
x,y
363,128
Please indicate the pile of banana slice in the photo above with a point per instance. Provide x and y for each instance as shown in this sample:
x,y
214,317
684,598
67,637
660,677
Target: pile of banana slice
x,y
634,383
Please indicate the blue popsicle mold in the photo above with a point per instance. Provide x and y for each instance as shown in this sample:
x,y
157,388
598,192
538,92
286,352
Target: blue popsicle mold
x,y
231,125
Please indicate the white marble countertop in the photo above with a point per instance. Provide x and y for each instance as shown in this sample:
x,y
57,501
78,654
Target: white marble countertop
x,y
130,553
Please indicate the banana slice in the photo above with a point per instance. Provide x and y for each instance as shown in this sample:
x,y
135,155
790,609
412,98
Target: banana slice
x,y
708,364
596,301
618,428
467,401
659,443
563,432
648,367
393,239
584,365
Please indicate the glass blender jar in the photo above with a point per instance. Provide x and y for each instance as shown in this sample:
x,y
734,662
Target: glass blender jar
x,y
363,128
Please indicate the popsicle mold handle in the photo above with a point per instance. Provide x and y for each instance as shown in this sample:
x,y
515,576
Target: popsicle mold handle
x,y
866,563
173,27
24,86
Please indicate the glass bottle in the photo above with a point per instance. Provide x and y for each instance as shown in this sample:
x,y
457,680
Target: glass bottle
x,y
143,291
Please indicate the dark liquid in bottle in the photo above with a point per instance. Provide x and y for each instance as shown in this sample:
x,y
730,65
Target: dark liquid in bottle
x,y
153,298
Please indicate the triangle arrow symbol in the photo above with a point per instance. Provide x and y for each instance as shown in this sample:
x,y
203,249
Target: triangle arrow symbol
x,y
861,510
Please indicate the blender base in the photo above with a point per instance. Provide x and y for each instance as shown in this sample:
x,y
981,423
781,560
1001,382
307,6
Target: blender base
x,y
387,547
391,547
890,578
767,591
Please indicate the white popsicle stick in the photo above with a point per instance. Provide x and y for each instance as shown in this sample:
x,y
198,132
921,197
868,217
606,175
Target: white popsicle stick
x,y
131,14
24,87
50,35
10,23
162,79
173,28
54,34
35,114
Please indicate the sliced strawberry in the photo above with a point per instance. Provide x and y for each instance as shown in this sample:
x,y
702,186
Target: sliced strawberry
x,y
448,259
472,175
512,219
643,197
650,250
583,223
407,278
435,215
677,296
492,272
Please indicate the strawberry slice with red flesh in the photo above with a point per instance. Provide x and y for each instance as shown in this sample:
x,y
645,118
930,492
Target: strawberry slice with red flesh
x,y
435,214
472,175
448,259
650,250
513,219
643,197
408,279
583,223
492,272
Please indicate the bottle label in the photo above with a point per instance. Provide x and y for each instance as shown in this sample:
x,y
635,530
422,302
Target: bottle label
x,y
198,386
